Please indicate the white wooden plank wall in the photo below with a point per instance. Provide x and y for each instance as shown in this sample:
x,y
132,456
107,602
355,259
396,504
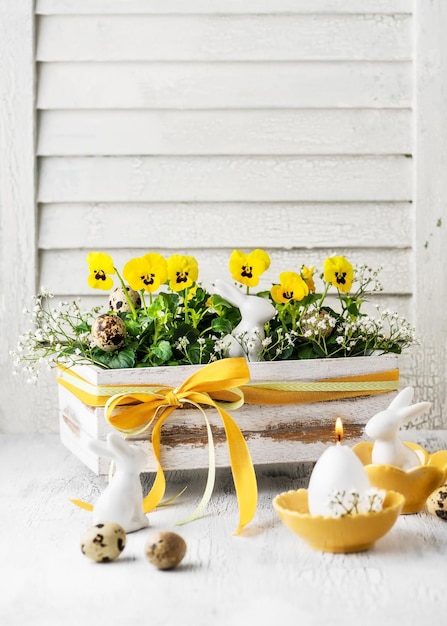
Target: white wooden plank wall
x,y
203,126
200,126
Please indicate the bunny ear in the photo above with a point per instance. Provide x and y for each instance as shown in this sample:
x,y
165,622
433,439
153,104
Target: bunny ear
x,y
402,399
229,292
117,445
411,412
101,448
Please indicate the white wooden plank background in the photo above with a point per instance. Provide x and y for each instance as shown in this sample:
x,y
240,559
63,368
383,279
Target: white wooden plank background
x,y
76,7
237,178
224,37
225,131
224,84
172,115
96,224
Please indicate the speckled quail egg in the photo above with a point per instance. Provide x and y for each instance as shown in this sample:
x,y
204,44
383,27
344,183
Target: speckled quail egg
x,y
118,301
108,332
165,550
104,542
437,502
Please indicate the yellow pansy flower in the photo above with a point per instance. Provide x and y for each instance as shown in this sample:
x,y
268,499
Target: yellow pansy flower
x,y
247,268
339,272
183,272
147,272
100,266
292,287
307,275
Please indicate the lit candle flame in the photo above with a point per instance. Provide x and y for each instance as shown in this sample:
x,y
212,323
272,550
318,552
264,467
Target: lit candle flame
x,y
339,429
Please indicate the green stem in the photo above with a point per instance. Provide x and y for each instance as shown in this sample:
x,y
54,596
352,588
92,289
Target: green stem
x,y
185,304
324,294
126,293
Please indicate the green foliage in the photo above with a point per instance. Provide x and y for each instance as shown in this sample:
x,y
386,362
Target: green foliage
x,y
191,327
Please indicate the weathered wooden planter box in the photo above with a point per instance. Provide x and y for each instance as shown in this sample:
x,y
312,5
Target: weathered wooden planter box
x,y
275,433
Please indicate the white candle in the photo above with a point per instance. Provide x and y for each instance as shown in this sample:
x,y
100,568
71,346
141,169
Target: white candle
x,y
337,470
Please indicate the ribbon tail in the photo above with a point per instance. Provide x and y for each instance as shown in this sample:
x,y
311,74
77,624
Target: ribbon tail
x,y
155,495
82,505
244,476
211,475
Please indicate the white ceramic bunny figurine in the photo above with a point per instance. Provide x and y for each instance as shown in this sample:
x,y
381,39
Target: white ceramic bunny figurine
x,y
246,338
122,499
383,428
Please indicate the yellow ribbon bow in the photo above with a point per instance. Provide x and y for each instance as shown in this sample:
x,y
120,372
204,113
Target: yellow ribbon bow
x,y
154,407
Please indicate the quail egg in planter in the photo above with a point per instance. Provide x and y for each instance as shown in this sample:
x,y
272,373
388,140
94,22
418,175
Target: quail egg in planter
x,y
118,300
108,332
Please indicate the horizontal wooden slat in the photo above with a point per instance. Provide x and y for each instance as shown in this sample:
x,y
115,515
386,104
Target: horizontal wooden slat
x,y
258,225
76,7
159,179
223,38
65,271
303,131
222,85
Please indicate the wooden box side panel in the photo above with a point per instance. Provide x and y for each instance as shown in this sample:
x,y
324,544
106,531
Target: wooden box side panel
x,y
266,371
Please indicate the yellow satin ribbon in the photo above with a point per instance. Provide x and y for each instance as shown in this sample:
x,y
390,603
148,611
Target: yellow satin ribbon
x,y
273,393
155,407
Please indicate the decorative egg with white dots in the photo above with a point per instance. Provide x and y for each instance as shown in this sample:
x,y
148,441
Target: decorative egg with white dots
x,y
108,332
118,301
103,542
437,502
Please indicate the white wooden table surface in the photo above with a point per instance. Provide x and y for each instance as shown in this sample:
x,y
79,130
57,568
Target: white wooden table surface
x,y
264,576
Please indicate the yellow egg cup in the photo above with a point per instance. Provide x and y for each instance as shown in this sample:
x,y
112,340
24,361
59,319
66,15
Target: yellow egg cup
x,y
352,533
415,484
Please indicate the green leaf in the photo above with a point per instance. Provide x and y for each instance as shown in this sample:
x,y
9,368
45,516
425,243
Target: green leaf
x,y
221,325
162,352
124,358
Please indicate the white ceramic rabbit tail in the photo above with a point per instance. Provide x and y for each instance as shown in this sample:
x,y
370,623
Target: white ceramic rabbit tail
x,y
122,499
383,427
247,337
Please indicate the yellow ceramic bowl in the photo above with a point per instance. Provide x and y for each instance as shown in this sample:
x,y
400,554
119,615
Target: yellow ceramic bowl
x,y
415,484
352,533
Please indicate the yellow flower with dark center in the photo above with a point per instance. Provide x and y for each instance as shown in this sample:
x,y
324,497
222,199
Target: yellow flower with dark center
x,y
339,272
307,275
146,273
183,272
100,266
247,268
292,287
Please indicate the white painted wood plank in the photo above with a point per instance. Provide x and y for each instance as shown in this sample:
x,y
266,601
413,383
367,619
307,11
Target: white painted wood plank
x,y
303,131
65,271
430,366
222,85
78,7
223,38
257,224
160,179
17,202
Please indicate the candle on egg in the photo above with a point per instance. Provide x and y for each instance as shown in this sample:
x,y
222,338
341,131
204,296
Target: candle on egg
x,y
337,470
